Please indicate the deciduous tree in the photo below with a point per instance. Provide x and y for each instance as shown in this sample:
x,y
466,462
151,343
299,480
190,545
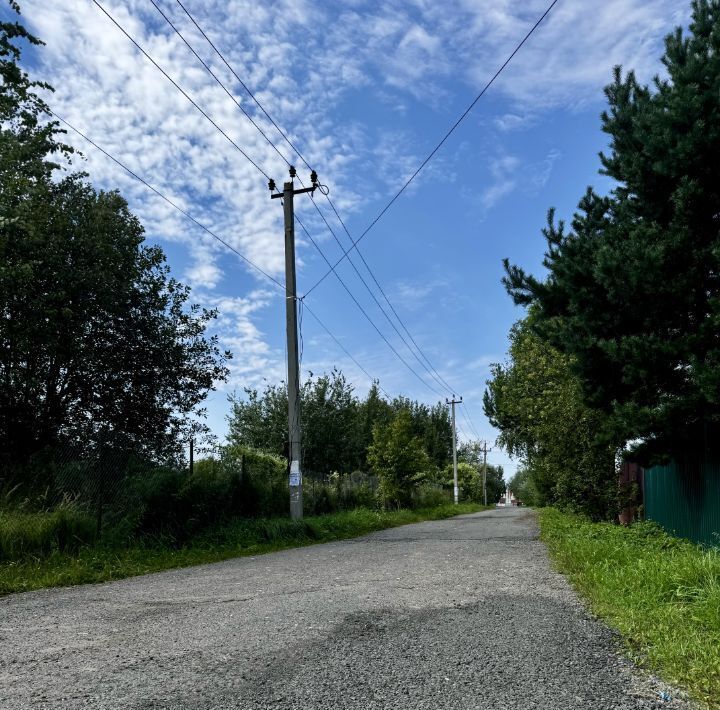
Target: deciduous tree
x,y
98,344
535,400
398,459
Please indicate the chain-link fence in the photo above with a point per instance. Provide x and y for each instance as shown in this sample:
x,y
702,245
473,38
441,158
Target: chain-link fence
x,y
75,496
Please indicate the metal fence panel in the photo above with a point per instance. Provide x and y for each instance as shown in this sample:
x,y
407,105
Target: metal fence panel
x,y
685,499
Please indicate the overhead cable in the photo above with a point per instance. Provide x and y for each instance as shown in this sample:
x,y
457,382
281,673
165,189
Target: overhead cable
x,y
237,147
439,145
215,236
431,371
181,90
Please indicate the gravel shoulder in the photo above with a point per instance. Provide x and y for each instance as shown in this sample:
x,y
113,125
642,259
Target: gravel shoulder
x,y
461,613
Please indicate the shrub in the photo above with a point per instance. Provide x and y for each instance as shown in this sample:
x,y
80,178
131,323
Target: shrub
x,y
431,496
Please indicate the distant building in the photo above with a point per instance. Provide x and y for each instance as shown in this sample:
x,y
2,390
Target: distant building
x,y
508,500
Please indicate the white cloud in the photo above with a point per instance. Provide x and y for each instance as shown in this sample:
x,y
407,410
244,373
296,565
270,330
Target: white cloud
x,y
539,174
203,274
503,171
513,122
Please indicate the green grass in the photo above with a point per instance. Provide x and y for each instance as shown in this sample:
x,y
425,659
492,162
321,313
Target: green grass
x,y
661,593
24,535
97,563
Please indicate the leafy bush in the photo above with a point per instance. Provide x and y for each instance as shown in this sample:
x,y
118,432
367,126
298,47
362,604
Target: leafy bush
x,y
174,504
429,496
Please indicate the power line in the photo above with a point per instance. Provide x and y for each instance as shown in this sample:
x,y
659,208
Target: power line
x,y
433,371
168,200
214,76
181,90
364,312
242,152
315,244
440,144
242,83
469,421
215,236
374,297
342,347
430,371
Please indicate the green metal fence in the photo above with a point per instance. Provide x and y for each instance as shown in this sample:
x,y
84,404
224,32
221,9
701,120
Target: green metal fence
x,y
685,499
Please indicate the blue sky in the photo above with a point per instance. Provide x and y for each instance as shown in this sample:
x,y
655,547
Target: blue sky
x,y
365,90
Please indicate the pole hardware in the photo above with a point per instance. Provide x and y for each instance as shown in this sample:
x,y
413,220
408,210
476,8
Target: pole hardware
x,y
293,173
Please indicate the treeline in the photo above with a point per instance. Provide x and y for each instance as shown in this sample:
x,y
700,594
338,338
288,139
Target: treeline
x,y
619,352
406,445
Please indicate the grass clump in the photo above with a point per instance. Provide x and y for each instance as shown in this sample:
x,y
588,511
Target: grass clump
x,y
101,562
660,592
24,534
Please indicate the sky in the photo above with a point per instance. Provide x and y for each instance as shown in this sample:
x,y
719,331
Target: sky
x,y
365,91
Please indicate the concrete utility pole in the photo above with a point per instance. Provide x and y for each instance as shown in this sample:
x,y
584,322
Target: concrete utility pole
x,y
293,381
453,402
485,453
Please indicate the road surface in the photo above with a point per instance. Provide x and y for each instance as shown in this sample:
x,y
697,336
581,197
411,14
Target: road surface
x,y
463,613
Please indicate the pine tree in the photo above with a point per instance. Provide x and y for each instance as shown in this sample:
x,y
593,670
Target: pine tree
x,y
633,290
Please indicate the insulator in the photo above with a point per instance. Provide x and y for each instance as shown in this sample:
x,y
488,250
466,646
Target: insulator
x,y
271,185
313,177
293,172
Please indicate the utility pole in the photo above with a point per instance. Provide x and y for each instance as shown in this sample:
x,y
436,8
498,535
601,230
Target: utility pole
x,y
485,453
293,381
453,402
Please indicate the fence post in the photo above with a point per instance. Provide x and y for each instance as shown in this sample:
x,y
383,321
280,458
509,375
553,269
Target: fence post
x,y
99,512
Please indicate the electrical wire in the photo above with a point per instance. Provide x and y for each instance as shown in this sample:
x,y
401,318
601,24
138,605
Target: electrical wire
x,y
167,76
242,83
181,90
466,415
219,82
168,200
433,370
215,236
439,145
365,313
342,347
430,370
377,302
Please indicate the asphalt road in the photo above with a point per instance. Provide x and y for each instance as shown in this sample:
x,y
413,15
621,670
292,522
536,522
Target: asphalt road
x,y
464,613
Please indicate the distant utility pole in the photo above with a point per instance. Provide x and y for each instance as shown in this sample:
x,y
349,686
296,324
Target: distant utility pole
x,y
293,382
453,402
485,453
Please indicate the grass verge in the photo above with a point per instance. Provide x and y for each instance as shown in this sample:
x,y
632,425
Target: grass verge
x,y
661,593
235,538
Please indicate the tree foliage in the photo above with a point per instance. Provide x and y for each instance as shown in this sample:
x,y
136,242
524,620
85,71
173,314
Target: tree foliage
x,y
632,294
98,344
535,400
337,426
523,487
470,480
397,457
471,452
